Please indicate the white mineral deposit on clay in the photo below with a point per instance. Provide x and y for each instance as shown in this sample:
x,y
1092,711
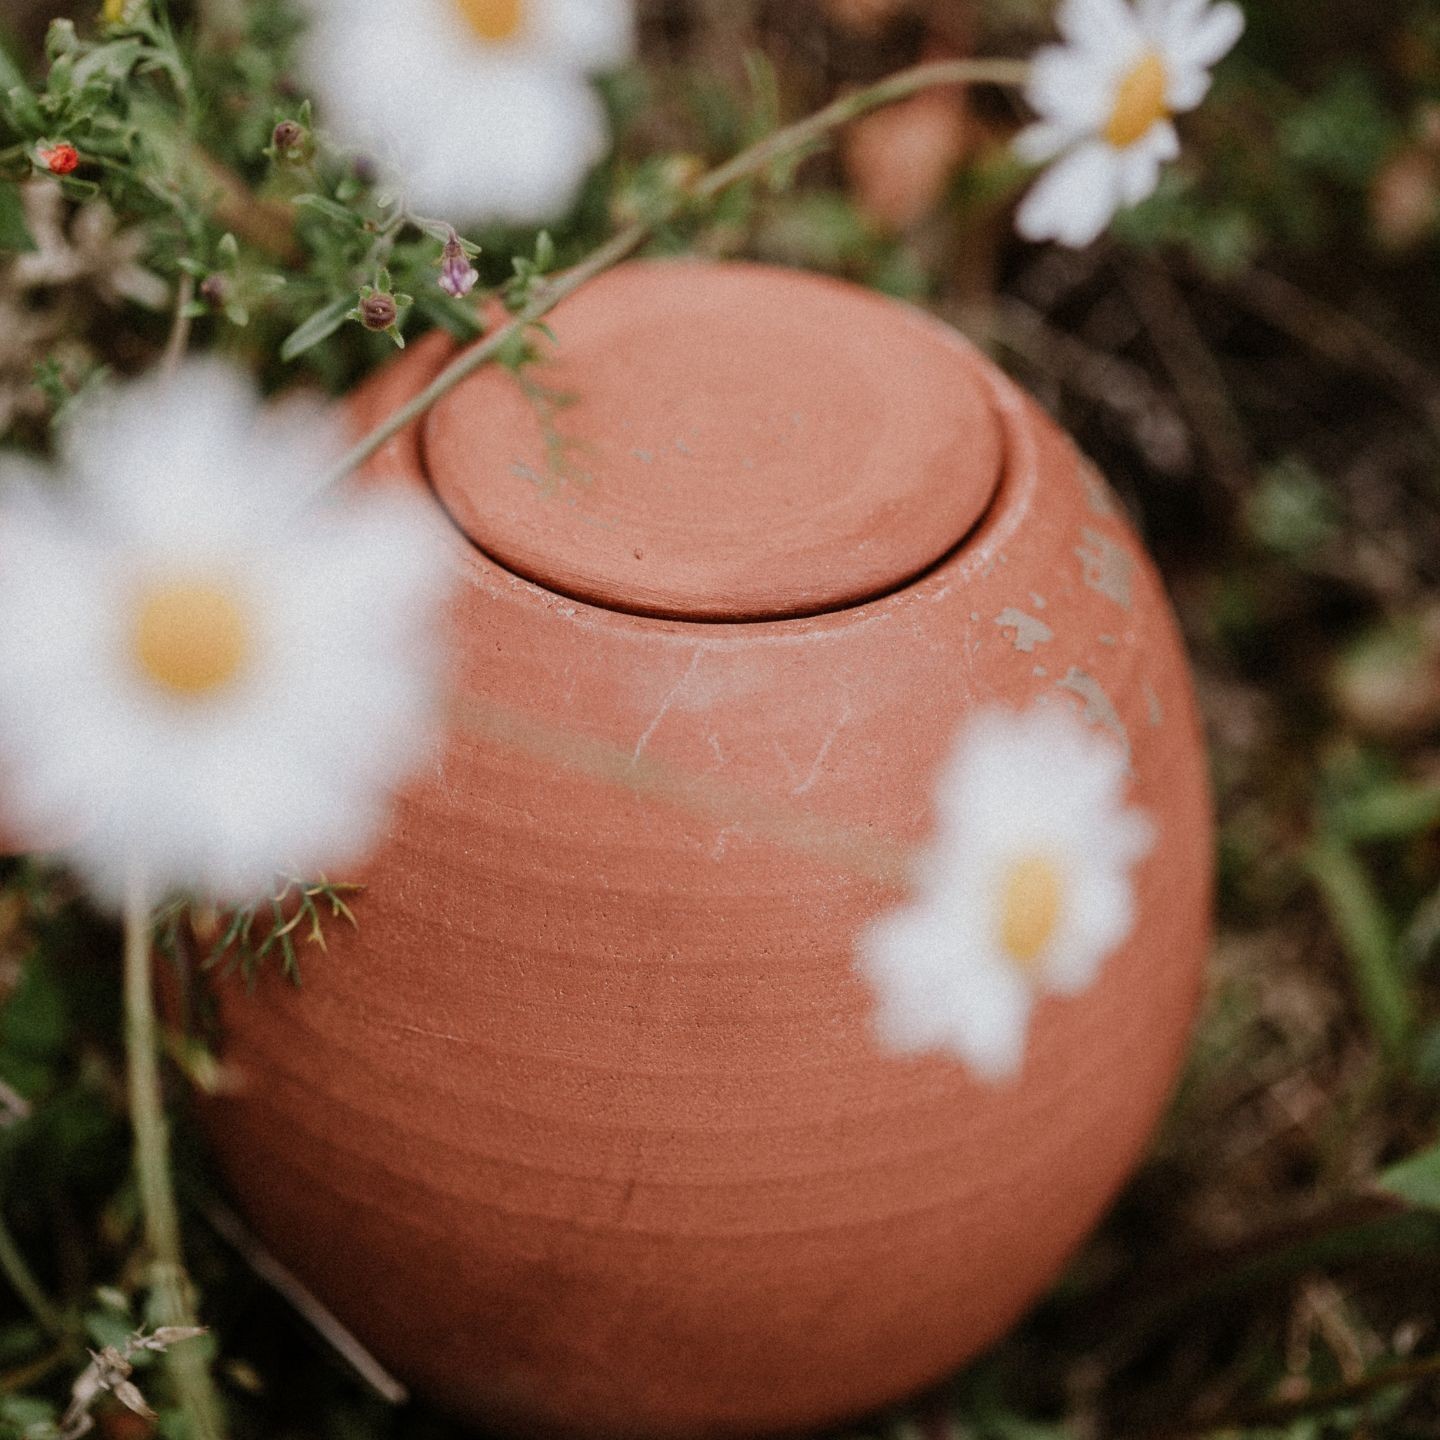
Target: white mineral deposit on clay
x,y
1029,632
1099,708
1108,568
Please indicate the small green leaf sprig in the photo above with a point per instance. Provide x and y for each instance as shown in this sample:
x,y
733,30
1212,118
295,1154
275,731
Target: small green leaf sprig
x,y
278,926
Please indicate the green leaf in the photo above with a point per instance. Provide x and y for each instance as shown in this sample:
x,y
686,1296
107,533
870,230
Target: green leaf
x,y
1343,130
1391,812
14,233
107,1327
34,1023
1366,935
317,329
323,205
18,96
1416,1180
113,61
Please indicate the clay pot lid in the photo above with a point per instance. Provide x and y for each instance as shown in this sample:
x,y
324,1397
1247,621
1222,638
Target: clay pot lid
x,y
722,442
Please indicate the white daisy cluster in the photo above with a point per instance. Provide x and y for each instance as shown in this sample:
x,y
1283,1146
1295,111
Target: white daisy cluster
x,y
1106,101
1025,889
208,675
478,110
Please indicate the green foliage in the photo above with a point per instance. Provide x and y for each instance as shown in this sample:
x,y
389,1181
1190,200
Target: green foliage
x,y
1416,1179
276,927
1342,132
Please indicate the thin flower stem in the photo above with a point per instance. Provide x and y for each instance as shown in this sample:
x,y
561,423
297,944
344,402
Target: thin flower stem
x,y
23,1282
782,145
170,1284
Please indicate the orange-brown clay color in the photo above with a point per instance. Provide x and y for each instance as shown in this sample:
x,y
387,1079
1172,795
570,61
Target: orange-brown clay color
x,y
585,1130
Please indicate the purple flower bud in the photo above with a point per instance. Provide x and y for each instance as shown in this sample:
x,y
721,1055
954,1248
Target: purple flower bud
x,y
458,277
215,291
289,139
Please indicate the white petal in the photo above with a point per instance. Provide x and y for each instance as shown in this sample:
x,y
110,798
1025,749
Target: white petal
x,y
993,1023
1103,25
1041,142
589,34
1067,88
1161,18
1074,200
936,992
1209,37
517,151
1140,172
1187,88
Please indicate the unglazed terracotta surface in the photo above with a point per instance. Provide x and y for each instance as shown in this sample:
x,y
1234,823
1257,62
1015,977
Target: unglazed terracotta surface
x,y
757,446
585,1129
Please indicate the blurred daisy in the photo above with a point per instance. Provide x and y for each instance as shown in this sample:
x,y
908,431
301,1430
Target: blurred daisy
x,y
207,678
479,109
1025,889
1106,99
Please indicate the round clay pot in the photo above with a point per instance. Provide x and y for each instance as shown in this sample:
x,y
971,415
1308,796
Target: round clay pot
x,y
586,1128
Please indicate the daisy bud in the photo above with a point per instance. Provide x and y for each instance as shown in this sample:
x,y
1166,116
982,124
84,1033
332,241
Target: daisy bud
x,y
62,159
379,312
458,277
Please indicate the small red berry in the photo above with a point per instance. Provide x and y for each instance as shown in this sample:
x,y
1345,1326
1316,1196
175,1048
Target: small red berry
x,y
61,159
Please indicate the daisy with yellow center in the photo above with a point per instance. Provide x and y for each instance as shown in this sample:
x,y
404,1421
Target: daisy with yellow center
x,y
1107,99
207,679
478,110
1025,890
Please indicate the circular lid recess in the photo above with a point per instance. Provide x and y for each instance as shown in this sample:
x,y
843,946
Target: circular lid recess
x,y
722,442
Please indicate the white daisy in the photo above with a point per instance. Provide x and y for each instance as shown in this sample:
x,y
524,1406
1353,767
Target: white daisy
x,y
1025,889
207,677
1106,99
479,109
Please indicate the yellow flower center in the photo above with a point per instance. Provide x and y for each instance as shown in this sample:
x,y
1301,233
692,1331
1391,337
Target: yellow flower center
x,y
1029,909
190,637
1139,102
494,21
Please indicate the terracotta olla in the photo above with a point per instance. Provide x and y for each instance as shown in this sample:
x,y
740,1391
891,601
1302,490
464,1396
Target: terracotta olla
x,y
586,1128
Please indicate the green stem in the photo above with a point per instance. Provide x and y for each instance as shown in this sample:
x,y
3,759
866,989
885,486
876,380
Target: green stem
x,y
180,326
1364,931
23,1282
169,1282
762,156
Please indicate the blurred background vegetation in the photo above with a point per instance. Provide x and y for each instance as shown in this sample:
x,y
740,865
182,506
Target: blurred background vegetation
x,y
1252,357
